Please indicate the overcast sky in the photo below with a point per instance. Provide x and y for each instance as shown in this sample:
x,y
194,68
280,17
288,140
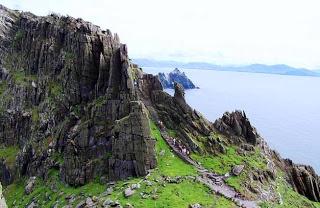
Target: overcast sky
x,y
217,31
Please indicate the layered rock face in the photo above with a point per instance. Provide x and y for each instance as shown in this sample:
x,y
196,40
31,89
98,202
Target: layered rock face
x,y
71,101
237,123
303,179
176,114
168,80
68,100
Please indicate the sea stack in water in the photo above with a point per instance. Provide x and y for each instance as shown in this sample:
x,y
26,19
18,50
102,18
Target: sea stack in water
x,y
168,80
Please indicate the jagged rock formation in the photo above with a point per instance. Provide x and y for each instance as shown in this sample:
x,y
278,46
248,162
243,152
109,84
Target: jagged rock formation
x,y
236,123
69,101
175,112
304,179
2,200
168,80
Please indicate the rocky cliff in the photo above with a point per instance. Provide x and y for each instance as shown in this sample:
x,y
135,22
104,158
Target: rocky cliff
x,y
302,178
68,101
72,103
168,80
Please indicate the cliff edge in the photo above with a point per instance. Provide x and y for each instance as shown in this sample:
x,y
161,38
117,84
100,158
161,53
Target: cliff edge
x,y
80,123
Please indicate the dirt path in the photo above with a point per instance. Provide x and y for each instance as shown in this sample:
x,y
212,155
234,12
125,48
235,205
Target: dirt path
x,y
214,181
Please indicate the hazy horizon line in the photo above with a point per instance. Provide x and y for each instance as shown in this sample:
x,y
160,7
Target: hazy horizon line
x,y
222,65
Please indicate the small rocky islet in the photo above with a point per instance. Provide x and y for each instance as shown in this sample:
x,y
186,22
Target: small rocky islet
x,y
176,76
82,126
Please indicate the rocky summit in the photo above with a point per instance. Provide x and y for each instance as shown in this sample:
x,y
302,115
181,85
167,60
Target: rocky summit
x,y
82,126
68,92
168,80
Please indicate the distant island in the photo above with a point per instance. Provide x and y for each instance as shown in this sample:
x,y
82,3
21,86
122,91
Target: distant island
x,y
253,68
168,80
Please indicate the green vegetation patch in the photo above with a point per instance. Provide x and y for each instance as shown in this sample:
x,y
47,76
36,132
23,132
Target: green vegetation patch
x,y
35,115
289,198
100,101
223,163
168,163
18,38
55,89
171,195
20,78
155,191
9,154
3,87
46,193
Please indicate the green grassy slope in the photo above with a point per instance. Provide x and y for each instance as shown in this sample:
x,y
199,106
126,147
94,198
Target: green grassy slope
x,y
155,191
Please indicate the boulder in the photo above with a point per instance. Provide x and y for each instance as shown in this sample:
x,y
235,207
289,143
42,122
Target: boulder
x,y
81,204
236,170
107,202
195,206
32,205
89,202
128,192
30,185
135,186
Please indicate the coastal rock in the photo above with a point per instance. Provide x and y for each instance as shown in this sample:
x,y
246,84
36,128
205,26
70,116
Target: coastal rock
x,y
304,179
174,112
176,76
72,102
179,92
237,124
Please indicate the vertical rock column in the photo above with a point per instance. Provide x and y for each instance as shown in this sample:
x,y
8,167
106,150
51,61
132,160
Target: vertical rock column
x,y
132,146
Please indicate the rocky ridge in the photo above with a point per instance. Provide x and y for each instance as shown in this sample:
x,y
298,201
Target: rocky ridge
x,y
71,101
191,127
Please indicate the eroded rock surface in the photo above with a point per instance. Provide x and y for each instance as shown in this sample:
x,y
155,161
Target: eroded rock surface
x,y
68,100
304,180
174,111
237,123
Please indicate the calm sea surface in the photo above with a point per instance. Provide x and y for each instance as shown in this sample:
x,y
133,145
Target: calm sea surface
x,y
284,109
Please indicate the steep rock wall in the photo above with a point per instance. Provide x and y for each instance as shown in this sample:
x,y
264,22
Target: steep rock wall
x,y
67,84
